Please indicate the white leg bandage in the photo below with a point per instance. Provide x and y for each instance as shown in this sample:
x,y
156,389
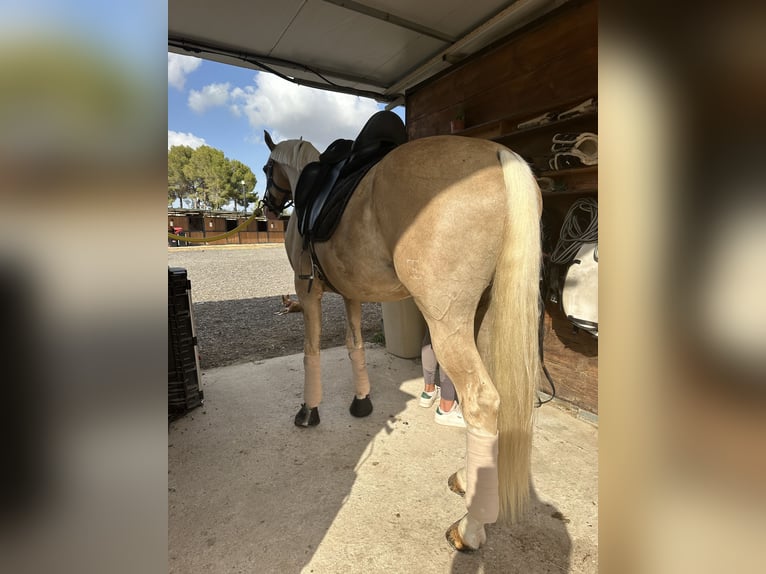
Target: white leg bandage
x,y
482,497
312,382
359,366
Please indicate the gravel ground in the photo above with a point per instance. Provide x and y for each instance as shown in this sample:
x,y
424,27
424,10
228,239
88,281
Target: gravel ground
x,y
237,289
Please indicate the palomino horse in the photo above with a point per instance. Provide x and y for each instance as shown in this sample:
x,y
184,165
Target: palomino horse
x,y
453,222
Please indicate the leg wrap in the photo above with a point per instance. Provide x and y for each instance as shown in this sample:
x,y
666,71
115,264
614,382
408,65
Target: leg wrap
x,y
482,498
359,366
312,382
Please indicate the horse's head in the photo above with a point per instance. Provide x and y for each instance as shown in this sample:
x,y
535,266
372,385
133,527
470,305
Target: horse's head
x,y
278,195
285,164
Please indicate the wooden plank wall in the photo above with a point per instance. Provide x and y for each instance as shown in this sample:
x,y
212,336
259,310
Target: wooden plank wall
x,y
178,221
546,66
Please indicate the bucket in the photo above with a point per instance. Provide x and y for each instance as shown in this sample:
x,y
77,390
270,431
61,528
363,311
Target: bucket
x,y
403,327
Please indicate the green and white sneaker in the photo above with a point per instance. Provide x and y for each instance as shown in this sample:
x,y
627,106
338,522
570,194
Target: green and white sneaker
x,y
427,399
452,418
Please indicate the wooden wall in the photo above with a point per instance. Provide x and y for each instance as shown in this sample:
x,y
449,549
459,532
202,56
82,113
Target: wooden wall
x,y
546,65
549,65
257,231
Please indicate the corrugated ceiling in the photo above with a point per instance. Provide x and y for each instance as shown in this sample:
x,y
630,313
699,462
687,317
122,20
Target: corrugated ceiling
x,y
375,48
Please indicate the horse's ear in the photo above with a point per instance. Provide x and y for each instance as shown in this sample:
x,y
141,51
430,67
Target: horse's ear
x,y
269,141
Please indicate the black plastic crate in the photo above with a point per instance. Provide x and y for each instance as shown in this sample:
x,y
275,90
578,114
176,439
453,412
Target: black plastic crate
x,y
184,392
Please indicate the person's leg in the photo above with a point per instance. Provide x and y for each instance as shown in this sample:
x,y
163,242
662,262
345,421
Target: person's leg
x,y
429,368
448,395
448,413
428,358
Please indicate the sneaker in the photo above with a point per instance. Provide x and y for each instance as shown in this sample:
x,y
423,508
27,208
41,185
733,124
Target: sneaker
x,y
427,399
453,418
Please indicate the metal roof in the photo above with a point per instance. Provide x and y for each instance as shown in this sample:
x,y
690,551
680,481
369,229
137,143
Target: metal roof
x,y
375,48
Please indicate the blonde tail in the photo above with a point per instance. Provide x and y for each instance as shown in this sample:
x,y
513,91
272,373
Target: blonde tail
x,y
515,365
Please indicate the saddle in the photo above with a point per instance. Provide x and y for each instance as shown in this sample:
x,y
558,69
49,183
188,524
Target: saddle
x,y
325,186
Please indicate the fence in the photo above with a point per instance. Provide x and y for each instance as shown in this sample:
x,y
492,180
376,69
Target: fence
x,y
258,231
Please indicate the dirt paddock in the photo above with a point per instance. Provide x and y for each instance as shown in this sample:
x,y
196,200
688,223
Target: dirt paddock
x,y
236,292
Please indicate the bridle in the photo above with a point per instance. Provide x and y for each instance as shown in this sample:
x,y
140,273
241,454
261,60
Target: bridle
x,y
269,200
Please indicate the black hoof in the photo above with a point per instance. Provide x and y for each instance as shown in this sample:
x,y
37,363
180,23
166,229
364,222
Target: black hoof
x,y
361,407
307,417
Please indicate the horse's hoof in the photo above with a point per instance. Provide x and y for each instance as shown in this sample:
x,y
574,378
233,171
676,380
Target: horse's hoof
x,y
307,417
456,541
454,485
361,407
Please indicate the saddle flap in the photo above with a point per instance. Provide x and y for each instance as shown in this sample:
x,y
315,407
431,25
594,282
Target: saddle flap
x,y
306,183
323,193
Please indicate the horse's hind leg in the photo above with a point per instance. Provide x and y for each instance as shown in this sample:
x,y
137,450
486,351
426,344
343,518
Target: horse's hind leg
x,y
456,351
457,482
361,406
308,415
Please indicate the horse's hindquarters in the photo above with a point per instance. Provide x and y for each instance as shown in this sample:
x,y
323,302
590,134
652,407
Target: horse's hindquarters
x,y
441,207
431,213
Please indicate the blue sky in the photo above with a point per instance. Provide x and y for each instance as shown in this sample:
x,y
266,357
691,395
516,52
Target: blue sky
x,y
227,107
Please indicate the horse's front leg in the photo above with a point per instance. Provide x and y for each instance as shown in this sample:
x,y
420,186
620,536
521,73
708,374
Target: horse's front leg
x,y
308,415
361,406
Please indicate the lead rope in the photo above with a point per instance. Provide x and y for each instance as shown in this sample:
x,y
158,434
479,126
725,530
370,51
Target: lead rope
x,y
540,335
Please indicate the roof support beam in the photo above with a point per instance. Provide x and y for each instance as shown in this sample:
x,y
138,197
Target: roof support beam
x,y
391,19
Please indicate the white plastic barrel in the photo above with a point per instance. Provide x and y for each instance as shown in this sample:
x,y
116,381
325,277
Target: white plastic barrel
x,y
403,327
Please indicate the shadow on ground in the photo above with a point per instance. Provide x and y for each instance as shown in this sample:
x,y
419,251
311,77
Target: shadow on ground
x,y
241,330
540,543
250,492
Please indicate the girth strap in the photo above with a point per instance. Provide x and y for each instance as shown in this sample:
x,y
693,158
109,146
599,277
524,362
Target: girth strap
x,y
316,270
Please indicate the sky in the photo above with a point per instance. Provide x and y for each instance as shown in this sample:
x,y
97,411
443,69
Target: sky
x,y
228,107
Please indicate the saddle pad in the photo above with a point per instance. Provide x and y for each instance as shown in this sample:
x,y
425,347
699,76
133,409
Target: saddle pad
x,y
579,298
323,217
329,217
316,183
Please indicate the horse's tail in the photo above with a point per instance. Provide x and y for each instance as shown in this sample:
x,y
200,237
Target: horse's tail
x,y
515,363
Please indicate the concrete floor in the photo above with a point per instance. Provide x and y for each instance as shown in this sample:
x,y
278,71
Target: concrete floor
x,y
251,493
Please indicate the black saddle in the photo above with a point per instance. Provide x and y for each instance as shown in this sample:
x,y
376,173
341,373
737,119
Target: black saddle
x,y
325,186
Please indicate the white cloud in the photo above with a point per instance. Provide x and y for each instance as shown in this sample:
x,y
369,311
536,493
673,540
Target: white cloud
x,y
179,67
210,96
178,138
291,111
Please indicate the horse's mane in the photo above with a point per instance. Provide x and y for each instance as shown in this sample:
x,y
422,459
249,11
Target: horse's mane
x,y
295,153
